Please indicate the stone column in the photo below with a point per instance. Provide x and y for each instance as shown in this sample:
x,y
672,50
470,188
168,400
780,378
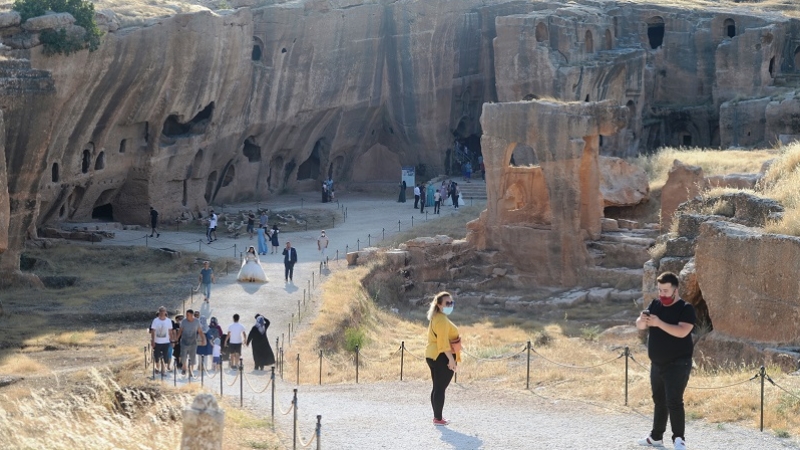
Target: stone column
x,y
203,424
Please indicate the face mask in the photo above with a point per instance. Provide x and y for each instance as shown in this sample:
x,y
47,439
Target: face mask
x,y
666,301
447,310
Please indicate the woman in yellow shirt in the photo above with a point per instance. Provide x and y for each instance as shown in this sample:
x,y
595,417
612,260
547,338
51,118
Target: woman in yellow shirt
x,y
439,355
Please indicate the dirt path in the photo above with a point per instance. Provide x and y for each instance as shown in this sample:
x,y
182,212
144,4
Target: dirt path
x,y
397,415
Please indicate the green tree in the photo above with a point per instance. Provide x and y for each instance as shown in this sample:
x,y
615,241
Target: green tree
x,y
59,41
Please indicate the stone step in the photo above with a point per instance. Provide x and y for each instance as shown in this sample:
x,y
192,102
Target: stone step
x,y
619,278
618,254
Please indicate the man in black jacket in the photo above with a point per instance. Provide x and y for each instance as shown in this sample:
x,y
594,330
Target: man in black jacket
x,y
669,321
289,259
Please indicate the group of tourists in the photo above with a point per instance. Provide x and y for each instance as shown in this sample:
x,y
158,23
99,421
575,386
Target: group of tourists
x,y
328,194
669,321
429,195
188,340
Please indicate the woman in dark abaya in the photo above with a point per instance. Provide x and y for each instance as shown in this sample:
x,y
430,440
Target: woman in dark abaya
x,y
262,351
402,198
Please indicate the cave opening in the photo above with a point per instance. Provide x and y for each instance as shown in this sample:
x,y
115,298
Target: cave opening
x,y
104,212
100,163
287,171
256,53
686,140
251,150
54,175
197,162
772,67
587,98
211,182
655,31
310,168
541,32
609,40
122,144
730,28
631,112
589,41
173,127
230,174
797,59
185,194
523,155
86,161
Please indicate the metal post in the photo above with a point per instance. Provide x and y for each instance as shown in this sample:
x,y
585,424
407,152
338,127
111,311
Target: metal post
x,y
627,355
175,374
398,225
298,310
412,221
333,225
234,250
298,369
455,378
320,367
337,255
312,279
369,240
184,304
200,245
383,233
304,296
319,432
528,376
294,427
153,360
763,373
272,380
241,382
202,370
290,330
356,364
191,294
346,249
426,216
402,357
144,350
220,377
281,363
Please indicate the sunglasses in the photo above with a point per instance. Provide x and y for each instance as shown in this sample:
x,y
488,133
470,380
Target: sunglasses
x,y
449,303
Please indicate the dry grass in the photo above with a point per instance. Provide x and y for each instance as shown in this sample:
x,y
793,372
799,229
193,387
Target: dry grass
x,y
782,183
19,364
343,299
450,224
713,162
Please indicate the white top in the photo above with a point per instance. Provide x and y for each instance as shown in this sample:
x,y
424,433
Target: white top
x,y
212,222
436,196
322,242
416,190
217,350
162,327
235,330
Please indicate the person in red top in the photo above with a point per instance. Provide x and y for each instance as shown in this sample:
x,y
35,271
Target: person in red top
x,y
669,322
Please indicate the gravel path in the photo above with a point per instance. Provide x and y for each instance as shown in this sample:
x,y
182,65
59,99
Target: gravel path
x,y
397,415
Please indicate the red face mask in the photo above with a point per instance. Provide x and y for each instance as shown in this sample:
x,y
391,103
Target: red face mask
x,y
666,301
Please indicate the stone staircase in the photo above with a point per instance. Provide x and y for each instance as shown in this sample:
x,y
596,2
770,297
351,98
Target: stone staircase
x,y
619,257
474,190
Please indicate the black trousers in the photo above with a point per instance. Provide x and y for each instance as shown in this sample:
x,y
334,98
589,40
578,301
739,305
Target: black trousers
x,y
422,204
668,382
436,206
288,270
441,376
416,201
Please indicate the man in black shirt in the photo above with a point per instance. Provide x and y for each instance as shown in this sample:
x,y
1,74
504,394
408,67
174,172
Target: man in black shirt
x,y
154,223
669,321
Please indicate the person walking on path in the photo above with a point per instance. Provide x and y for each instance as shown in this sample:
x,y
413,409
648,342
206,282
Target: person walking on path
x,y
443,193
190,336
669,321
262,220
416,196
437,200
176,344
251,224
273,237
443,351
234,339
206,278
160,338
322,246
262,241
262,351
203,350
403,187
212,227
289,260
468,171
154,223
422,200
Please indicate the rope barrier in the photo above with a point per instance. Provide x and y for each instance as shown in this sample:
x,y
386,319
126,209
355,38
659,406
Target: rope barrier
x,y
234,380
208,374
254,389
726,386
286,413
777,386
307,444
361,356
577,367
160,241
215,248
495,358
637,362
421,358
128,240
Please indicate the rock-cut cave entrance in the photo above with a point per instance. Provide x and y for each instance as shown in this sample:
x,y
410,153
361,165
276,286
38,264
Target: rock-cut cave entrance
x,y
174,128
104,212
655,31
310,168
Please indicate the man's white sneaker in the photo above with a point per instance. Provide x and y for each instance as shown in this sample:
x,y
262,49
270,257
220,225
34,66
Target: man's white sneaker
x,y
680,444
650,442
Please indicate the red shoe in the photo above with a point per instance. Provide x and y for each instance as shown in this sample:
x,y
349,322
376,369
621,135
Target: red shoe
x,y
440,422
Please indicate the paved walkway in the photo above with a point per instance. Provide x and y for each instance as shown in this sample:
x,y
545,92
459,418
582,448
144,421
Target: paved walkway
x,y
397,415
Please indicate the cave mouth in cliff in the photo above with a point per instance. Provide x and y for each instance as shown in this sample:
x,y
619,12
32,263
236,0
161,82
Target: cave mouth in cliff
x,y
251,150
256,54
100,163
523,156
104,212
54,175
174,128
541,32
310,168
655,31
772,67
86,161
211,182
730,28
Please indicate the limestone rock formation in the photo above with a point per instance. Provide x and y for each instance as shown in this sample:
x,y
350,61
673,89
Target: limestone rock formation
x,y
621,183
683,183
539,216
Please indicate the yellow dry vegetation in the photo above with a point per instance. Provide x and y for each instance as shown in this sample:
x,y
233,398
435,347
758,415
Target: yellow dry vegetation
x,y
495,353
20,364
713,162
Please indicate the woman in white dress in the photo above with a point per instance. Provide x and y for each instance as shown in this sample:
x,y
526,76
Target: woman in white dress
x,y
251,270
